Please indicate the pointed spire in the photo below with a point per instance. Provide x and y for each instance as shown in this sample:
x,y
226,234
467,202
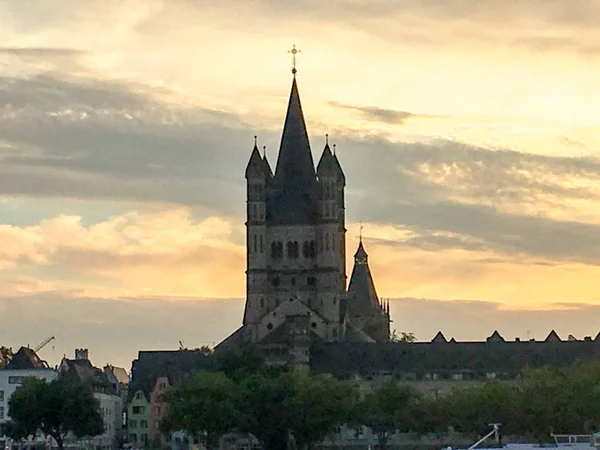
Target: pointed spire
x,y
255,165
294,200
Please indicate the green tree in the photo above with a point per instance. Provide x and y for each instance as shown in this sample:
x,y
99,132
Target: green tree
x,y
387,407
55,409
261,397
6,354
318,403
403,337
204,406
240,363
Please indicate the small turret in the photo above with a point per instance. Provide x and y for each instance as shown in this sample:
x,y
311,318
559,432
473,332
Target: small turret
x,y
256,166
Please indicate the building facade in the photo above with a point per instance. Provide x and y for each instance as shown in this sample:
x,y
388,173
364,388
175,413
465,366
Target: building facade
x,y
138,420
158,410
296,252
10,380
107,394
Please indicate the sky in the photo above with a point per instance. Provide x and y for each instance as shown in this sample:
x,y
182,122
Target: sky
x,y
468,132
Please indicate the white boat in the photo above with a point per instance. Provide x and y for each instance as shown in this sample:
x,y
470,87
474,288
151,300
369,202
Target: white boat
x,y
566,441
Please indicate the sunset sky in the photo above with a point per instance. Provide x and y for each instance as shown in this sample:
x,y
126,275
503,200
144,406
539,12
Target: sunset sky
x,y
468,131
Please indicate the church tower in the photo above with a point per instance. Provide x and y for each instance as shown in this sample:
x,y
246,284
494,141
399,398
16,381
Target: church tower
x,y
296,246
365,311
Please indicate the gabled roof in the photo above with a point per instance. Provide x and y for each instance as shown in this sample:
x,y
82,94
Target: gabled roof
x,y
362,295
116,374
26,358
439,337
329,166
495,337
292,200
83,370
553,337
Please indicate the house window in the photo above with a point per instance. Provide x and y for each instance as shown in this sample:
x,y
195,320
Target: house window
x,y
15,380
1,395
1,412
138,396
143,424
162,386
138,410
133,424
157,410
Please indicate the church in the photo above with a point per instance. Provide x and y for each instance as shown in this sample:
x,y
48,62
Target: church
x,y
302,312
297,292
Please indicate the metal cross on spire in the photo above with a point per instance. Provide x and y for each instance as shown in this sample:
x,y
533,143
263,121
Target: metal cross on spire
x,y
294,51
360,232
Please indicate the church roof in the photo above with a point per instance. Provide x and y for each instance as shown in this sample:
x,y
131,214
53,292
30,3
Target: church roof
x,y
362,296
292,201
356,335
256,164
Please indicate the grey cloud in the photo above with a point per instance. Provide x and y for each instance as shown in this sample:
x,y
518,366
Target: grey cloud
x,y
40,52
382,114
130,146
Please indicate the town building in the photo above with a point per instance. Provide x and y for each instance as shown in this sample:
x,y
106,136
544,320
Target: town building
x,y
111,406
138,420
25,363
158,410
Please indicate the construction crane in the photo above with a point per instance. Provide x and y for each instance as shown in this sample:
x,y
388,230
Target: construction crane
x,y
43,344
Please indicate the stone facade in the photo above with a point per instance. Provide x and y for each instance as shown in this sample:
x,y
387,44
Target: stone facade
x,y
296,251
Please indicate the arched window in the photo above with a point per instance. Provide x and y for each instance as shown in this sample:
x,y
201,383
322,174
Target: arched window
x,y
313,249
274,250
262,302
326,241
261,244
255,243
306,249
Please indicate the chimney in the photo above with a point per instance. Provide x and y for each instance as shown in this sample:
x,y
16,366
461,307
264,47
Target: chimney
x,y
81,354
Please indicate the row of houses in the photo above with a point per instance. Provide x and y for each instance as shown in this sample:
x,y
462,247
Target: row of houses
x,y
108,384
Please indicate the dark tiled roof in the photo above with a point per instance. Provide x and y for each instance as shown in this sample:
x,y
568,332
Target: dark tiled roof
x,y
326,166
292,196
495,337
83,370
553,337
26,358
176,365
362,296
439,337
356,335
256,165
510,358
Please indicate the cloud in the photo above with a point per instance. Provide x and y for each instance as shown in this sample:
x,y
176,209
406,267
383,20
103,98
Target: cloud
x,y
137,253
382,114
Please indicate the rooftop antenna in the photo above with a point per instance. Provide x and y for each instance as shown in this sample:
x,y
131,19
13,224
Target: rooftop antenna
x,y
294,51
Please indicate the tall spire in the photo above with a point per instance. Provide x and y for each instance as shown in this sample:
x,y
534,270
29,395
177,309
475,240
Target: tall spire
x,y
295,176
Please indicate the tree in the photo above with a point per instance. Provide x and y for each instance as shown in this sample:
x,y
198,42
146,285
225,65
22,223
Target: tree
x,y
403,337
6,354
260,402
388,407
240,363
203,406
318,403
56,408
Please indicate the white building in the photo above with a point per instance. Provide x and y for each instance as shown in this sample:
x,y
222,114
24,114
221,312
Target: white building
x,y
25,363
